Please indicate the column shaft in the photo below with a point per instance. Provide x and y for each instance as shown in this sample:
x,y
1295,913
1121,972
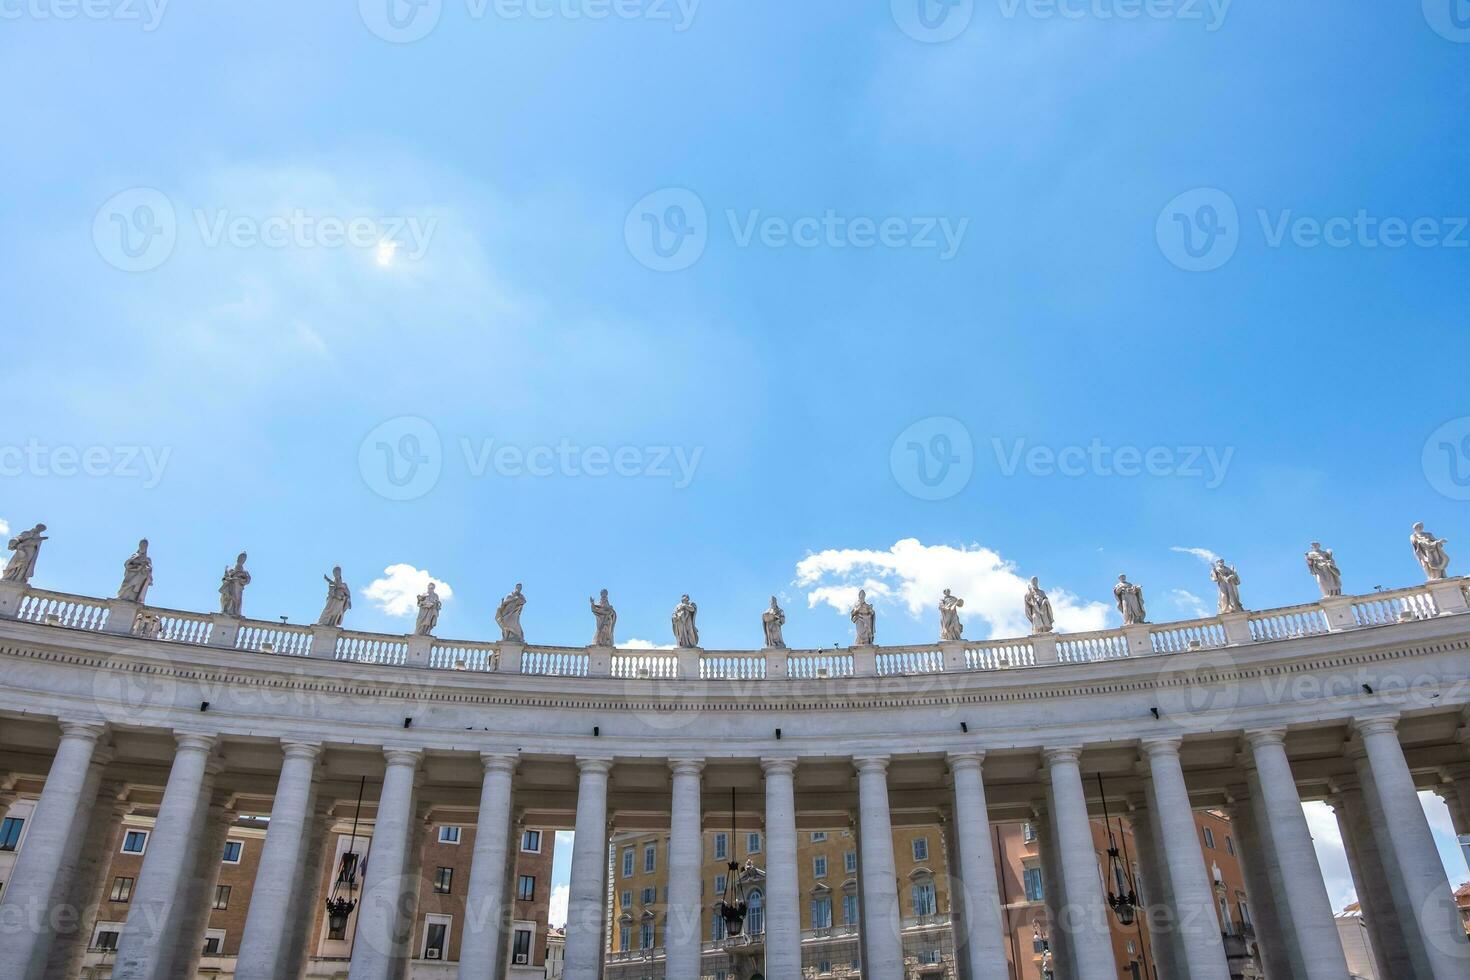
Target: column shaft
x,y
307,905
1085,913
588,891
487,919
1158,913
91,881
1310,913
683,918
881,919
1367,880
278,876
1194,899
380,919
1054,889
983,944
783,913
198,898
1261,898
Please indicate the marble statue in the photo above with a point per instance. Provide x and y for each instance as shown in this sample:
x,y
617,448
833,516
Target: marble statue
x,y
1430,552
1130,601
950,627
137,575
27,546
232,588
429,606
772,620
864,620
607,619
508,616
686,633
339,599
1324,567
1038,608
1227,581
148,625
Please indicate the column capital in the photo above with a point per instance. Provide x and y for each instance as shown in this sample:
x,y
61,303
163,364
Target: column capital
x,y
1161,746
404,757
506,762
870,763
587,764
193,742
1062,754
1384,725
1266,736
959,761
1345,784
90,731
1457,772
686,767
309,751
779,765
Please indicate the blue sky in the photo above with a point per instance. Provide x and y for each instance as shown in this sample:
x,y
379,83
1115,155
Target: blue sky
x,y
867,237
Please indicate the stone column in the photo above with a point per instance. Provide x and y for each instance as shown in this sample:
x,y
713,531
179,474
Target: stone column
x,y
588,892
90,884
1368,882
1089,936
1456,796
1194,898
60,816
783,911
1052,888
983,944
683,918
1265,917
380,925
1411,855
486,916
1309,912
278,876
198,894
411,881
78,868
1158,913
881,919
308,904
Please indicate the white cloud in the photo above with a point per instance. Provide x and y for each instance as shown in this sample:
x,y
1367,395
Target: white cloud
x,y
637,644
1331,854
557,913
1190,603
1203,554
397,592
912,576
4,528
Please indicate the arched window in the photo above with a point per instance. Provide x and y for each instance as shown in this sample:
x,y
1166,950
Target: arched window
x,y
756,915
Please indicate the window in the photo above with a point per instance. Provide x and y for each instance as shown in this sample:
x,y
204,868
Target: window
x,y
1227,925
221,897
627,862
1035,891
720,882
756,913
106,938
921,848
645,934
722,846
531,842
122,890
521,951
214,942
1028,832
650,858
818,836
10,833
627,899
436,936
1245,913
819,867
922,895
649,896
752,843
443,881
1229,845
849,910
526,888
233,851
625,936
822,912
1209,838
849,862
450,835
135,842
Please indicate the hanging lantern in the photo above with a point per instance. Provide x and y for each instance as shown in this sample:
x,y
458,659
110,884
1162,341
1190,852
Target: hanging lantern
x,y
1123,902
341,903
733,906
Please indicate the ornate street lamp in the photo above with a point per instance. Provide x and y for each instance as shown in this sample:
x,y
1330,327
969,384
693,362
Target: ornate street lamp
x,y
733,906
342,902
1124,905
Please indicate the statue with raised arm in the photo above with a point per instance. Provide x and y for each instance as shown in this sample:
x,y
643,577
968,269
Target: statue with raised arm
x,y
771,621
1130,601
1227,582
429,606
864,620
232,588
950,627
1430,552
1038,608
27,547
508,616
137,575
339,599
607,620
686,633
1324,567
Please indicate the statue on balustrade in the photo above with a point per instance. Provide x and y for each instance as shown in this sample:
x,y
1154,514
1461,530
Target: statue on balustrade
x,y
429,606
232,588
607,620
1430,552
339,599
686,633
771,621
950,627
137,575
1038,608
1130,601
508,616
864,620
1324,567
148,625
27,547
1227,581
